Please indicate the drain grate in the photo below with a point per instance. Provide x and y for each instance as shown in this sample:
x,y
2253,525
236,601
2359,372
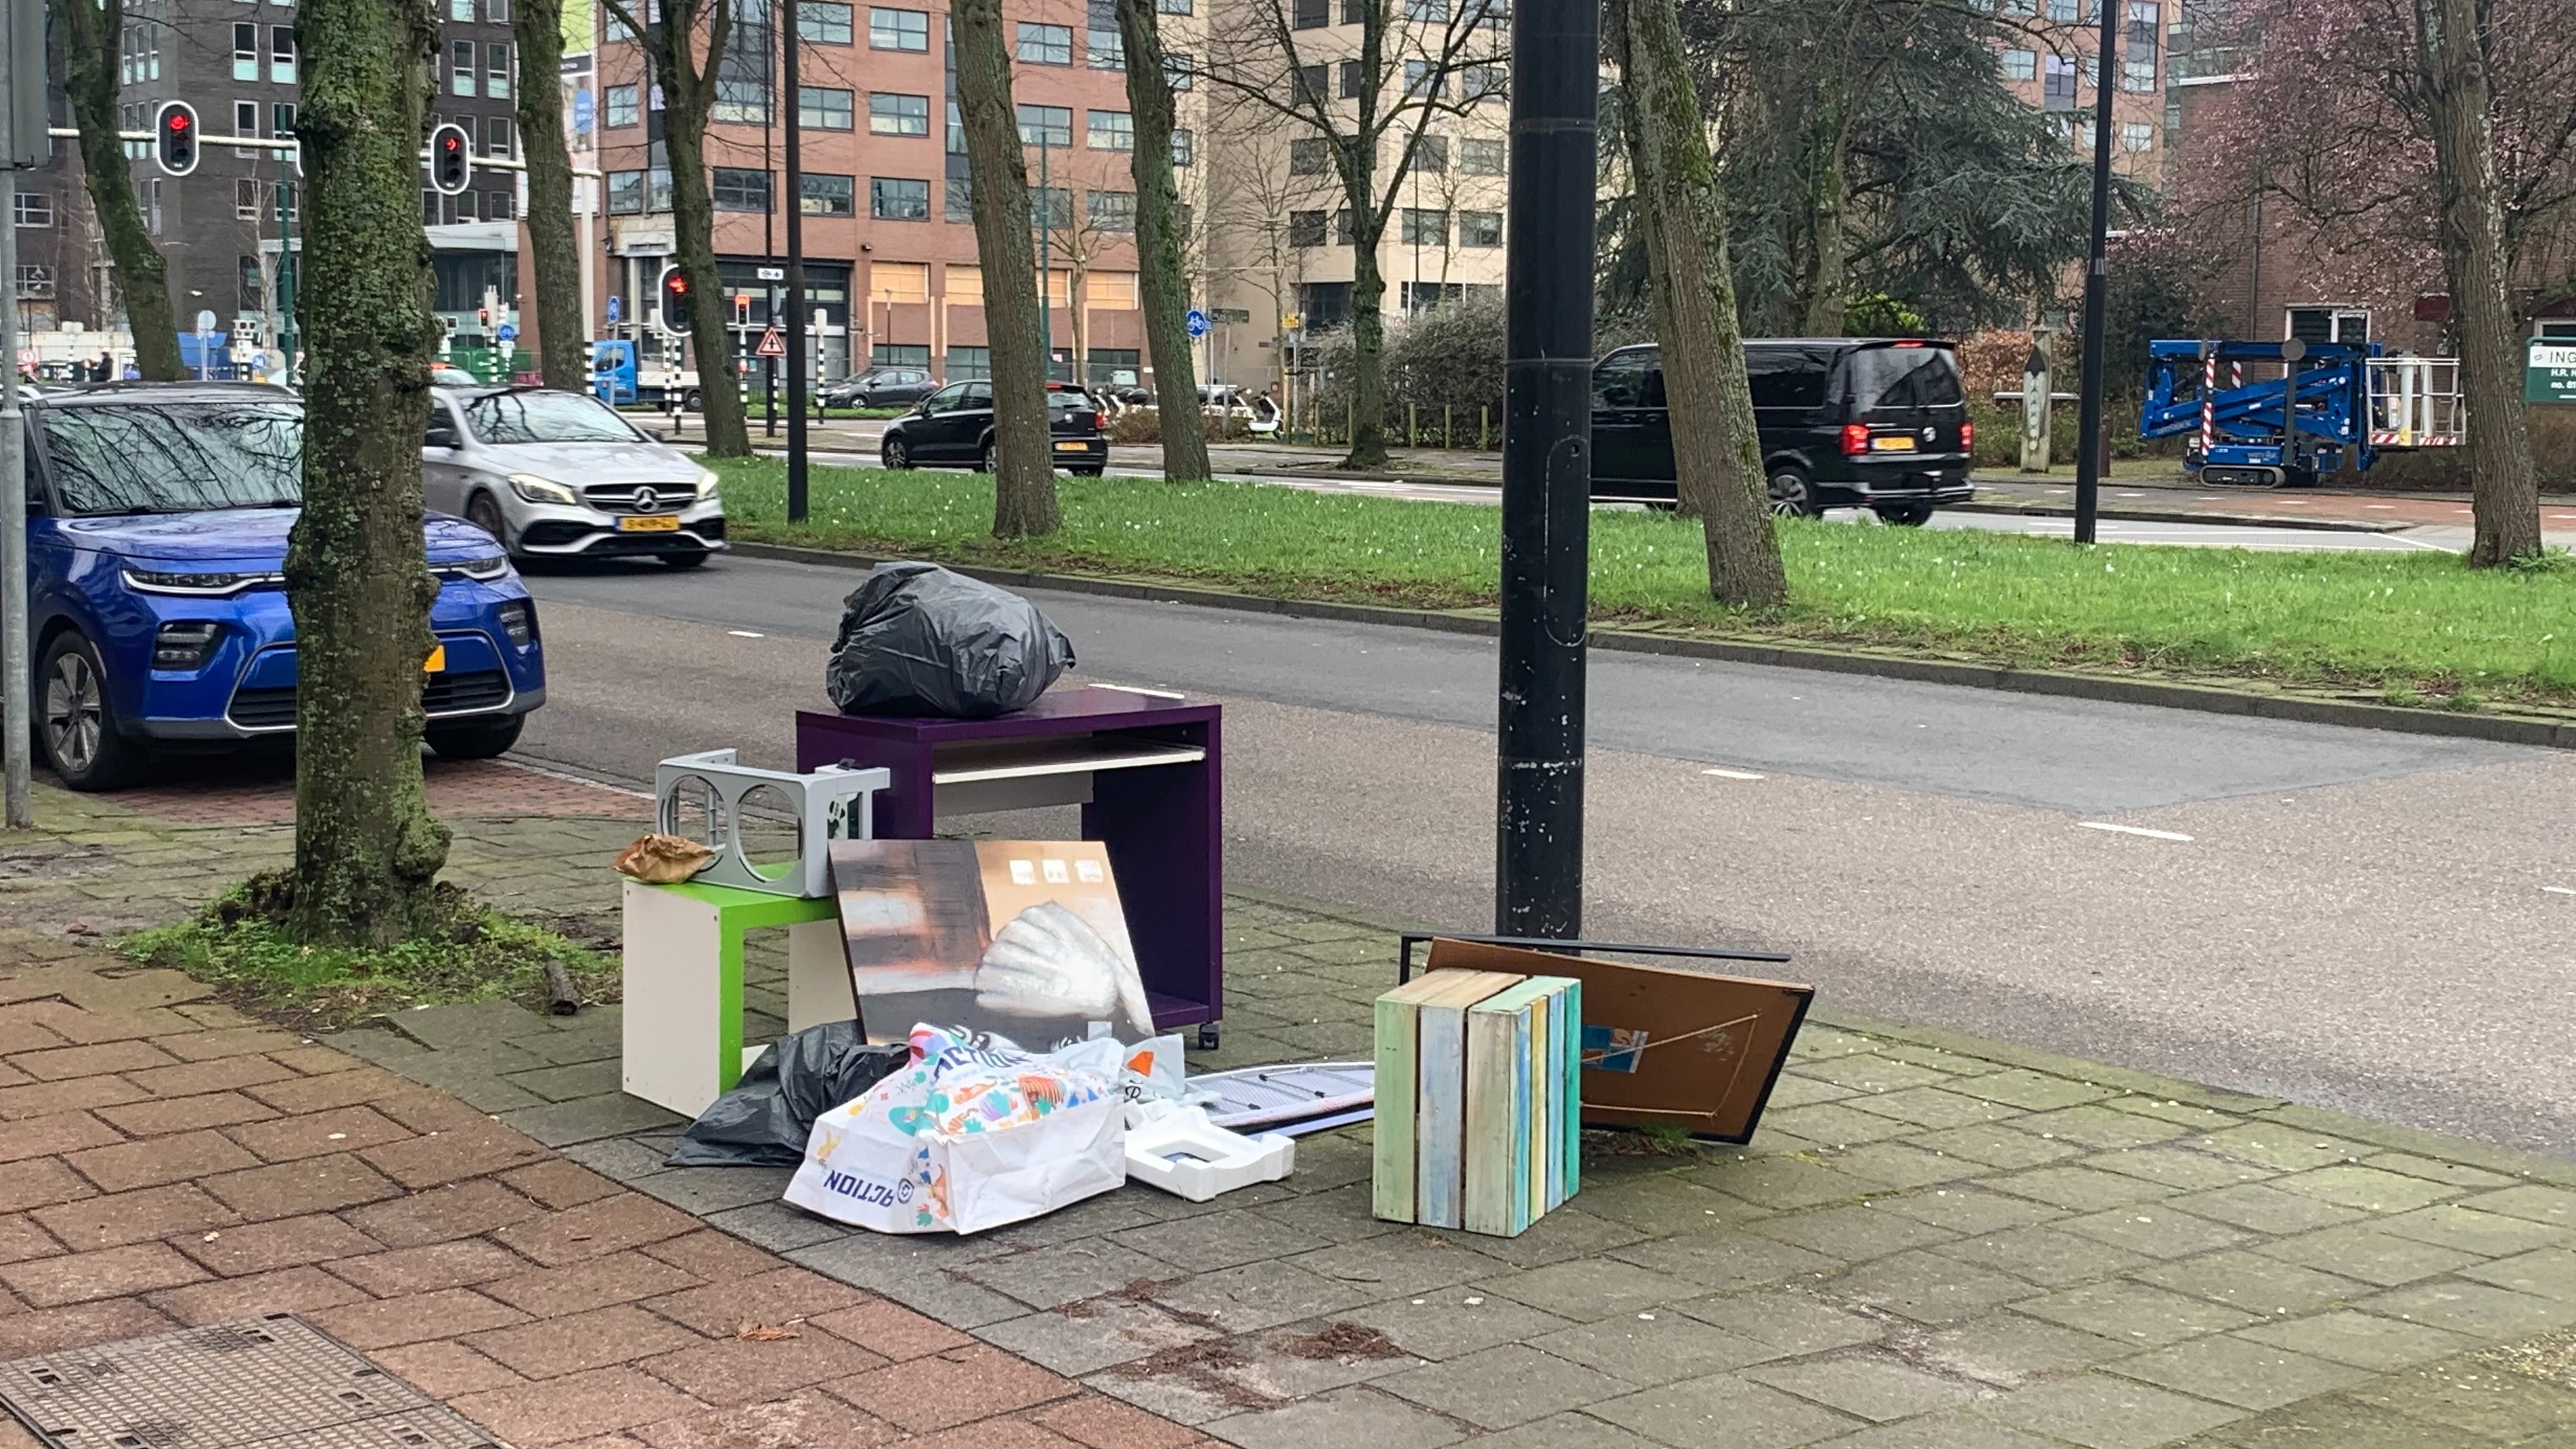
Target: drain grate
x,y
262,1383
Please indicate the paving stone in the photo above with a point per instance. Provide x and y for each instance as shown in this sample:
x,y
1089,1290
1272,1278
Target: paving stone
x,y
1338,1215
471,1026
595,1229
385,1322
2077,1189
59,1063
2364,1340
578,1406
581,1287
2470,1230
1852,1233
2234,1372
225,1074
474,1150
459,1210
890,1331
134,1269
781,1295
444,1370
2255,1283
2474,1308
1084,1338
585,1119
1953,1429
1660,1205
1784,1184
909,1279
1358,1415
1928,1287
2551,1206
1445,1325
23,1097
2008,1351
1655,1348
1262,1295
1997,1146
699,1191
1565,1234
955,1387
1794,1090
291,1189
30,1184
1788,1322
279,1243
288,1290
2187,1114
2101,1127
2545,1272
1902,1165
1872,1385
324,1093
1405,1263
1834,1124
808,1420
2134,1313
132,1217
1503,1386
2373,1256
1873,1072
735,1371
1048,1277
2367,1189
2031,1091
778,1227
2101,1412
1686,1267
2156,1231
560,1184
1723,1409
2334,1422
426,1269
159,1117
591,1078
1208,1241
2046,1255
130,1165
2276,1145
21,1239
2181,1168
30,1332
1969,1209
235,1041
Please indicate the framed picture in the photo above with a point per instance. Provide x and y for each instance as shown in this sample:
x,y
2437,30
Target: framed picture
x,y
1020,938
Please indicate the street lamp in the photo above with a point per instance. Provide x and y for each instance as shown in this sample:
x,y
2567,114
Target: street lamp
x,y
2091,444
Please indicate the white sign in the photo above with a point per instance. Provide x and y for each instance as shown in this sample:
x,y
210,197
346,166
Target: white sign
x,y
772,274
205,322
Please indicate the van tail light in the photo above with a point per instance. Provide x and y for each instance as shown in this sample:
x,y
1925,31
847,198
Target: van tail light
x,y
1855,439
1967,436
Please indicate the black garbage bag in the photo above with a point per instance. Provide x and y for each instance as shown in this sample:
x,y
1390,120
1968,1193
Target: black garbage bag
x,y
765,1120
918,639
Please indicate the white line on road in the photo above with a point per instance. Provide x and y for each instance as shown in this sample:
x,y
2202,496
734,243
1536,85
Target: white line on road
x,y
2560,890
2134,830
1732,774
745,634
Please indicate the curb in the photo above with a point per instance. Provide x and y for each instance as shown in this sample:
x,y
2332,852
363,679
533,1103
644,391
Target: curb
x,y
2184,515
2109,689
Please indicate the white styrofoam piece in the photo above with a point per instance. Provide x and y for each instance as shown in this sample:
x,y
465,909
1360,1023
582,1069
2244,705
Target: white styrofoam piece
x,y
1183,1153
1286,1093
831,804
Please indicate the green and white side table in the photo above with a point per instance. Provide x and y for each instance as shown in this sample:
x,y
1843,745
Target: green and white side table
x,y
683,980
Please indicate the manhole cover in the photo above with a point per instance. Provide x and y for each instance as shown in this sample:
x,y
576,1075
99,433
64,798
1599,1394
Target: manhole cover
x,y
262,1383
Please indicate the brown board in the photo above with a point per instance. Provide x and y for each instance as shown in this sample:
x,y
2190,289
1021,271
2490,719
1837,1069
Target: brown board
x,y
1663,1048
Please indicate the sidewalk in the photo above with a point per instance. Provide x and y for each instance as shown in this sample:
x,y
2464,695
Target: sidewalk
x,y
1935,1241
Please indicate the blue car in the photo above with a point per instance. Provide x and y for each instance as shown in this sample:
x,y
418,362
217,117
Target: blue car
x,y
156,541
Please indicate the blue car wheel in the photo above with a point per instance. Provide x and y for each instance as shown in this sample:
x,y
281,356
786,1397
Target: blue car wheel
x,y
77,720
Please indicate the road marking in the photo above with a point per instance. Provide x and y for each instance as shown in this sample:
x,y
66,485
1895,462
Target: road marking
x,y
1140,689
2135,830
1732,774
745,634
2560,890
2379,505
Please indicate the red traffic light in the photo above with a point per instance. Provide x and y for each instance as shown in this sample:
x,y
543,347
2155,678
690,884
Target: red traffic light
x,y
450,141
679,283
176,120
176,127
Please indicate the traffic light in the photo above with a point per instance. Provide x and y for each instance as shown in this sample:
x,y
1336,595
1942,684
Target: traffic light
x,y
451,160
176,129
675,300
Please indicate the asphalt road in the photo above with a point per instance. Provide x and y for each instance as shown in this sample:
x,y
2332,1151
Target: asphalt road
x,y
2358,919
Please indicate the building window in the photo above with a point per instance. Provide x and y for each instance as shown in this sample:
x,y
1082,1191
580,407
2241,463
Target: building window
x,y
961,197
1487,82
2137,136
1113,211
1482,156
1051,207
622,110
1305,228
893,115
1114,366
2066,12
2057,91
496,12
245,123
281,54
1046,125
738,188
1428,12
965,285
460,68
1307,84
2145,24
966,364
496,71
1354,80
1046,44
245,53
1108,48
496,137
33,208
956,131
1180,70
825,108
626,192
2138,75
1307,156
1480,228
1110,131
2021,65
1421,78
894,198
461,11
463,202
1355,12
826,195
1314,14
898,29
657,189
820,22
499,205
281,119
1182,149
743,100
1172,7
1426,227
1431,157
1343,236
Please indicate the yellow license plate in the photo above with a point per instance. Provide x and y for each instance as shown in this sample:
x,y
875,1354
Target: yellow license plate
x,y
437,661
1891,445
649,523
1071,445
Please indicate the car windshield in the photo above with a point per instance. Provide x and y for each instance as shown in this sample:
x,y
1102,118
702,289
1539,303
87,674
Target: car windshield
x,y
544,417
176,457
1904,377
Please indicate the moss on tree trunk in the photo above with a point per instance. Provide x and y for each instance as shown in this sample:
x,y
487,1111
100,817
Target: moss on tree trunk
x,y
92,32
1024,500
562,330
366,848
1158,247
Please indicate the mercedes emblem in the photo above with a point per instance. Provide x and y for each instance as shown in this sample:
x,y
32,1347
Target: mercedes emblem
x,y
645,499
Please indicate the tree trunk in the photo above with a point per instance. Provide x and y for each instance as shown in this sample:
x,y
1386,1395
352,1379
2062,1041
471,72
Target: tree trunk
x,y
1717,453
2452,55
1368,355
1159,277
366,847
563,333
1826,255
998,170
693,230
92,35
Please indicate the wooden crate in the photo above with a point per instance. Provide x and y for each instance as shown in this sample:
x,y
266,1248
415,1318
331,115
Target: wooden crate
x,y
1478,1107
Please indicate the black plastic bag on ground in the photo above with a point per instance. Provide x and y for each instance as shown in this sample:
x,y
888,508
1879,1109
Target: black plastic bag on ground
x,y
765,1120
918,639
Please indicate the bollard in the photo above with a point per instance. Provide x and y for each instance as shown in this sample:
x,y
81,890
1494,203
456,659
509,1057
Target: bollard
x,y
1448,427
1484,427
1413,425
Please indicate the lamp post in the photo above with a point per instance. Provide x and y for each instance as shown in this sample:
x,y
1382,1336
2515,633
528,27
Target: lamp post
x,y
797,476
2091,445
1046,256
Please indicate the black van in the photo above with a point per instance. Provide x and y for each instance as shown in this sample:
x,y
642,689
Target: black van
x,y
1846,422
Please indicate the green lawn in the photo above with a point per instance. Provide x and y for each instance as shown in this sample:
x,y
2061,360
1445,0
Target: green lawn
x,y
2408,626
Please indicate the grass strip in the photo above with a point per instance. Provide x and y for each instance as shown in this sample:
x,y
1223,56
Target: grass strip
x,y
2405,627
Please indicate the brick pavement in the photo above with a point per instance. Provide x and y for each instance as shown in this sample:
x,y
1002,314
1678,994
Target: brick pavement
x,y
1936,1241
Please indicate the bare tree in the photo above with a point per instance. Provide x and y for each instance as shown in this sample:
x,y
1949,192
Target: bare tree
x,y
686,71
93,33
997,165
1717,454
357,575
1164,288
1259,204
537,26
1345,107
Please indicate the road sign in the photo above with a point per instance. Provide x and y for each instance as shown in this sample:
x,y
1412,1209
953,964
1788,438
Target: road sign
x,y
205,321
1290,321
771,274
1230,314
771,345
582,111
615,309
505,334
2549,371
1198,322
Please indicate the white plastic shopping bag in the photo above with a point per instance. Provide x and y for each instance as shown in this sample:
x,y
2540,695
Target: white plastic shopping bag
x,y
969,1136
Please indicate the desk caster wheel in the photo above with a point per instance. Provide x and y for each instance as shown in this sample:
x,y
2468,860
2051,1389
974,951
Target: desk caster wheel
x,y
1207,1036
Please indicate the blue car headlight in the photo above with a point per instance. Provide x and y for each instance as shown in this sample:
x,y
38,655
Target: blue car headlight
x,y
203,586
481,570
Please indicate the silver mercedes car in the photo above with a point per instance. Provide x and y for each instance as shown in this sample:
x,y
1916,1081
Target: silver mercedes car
x,y
560,474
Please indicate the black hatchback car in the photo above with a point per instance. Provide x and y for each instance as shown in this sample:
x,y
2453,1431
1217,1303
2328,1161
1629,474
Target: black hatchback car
x,y
1846,422
953,428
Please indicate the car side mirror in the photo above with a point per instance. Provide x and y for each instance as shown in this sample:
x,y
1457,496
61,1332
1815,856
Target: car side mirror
x,y
440,435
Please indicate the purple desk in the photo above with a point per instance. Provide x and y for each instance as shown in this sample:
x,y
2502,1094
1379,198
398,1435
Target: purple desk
x,y
1145,772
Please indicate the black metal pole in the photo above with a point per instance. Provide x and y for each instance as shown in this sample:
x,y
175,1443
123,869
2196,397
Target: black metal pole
x,y
2092,444
1547,466
796,499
